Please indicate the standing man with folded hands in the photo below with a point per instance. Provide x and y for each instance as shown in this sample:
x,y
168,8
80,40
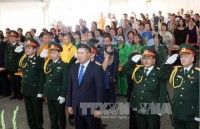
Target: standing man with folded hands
x,y
33,83
55,88
86,85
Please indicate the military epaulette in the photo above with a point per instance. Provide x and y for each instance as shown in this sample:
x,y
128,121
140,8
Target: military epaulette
x,y
178,66
198,69
97,63
139,65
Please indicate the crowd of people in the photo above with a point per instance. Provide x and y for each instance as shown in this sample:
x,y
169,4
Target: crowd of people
x,y
96,64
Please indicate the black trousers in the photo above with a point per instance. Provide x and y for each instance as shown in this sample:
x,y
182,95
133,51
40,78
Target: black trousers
x,y
147,121
5,88
57,114
132,120
34,111
15,82
130,87
87,122
179,124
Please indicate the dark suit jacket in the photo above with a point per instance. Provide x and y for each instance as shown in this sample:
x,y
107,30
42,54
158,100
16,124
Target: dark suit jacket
x,y
91,88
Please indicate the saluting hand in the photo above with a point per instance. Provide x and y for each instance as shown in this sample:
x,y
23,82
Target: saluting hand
x,y
172,59
19,49
136,58
44,53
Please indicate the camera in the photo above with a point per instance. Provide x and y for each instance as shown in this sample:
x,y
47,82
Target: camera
x,y
104,48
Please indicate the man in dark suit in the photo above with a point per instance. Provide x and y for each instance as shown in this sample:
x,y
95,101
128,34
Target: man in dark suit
x,y
85,86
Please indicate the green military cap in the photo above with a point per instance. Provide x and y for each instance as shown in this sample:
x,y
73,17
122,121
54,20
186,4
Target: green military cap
x,y
91,43
13,33
147,50
187,49
55,46
32,42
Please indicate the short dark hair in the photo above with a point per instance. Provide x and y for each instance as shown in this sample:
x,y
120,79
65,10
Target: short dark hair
x,y
28,32
53,29
107,36
34,30
47,34
164,24
20,29
100,31
92,33
131,33
70,36
141,24
41,34
85,47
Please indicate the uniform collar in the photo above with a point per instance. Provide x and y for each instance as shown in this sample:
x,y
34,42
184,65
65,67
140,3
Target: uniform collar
x,y
149,69
188,69
13,44
31,56
55,61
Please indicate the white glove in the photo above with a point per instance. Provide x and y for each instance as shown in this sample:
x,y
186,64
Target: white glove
x,y
61,100
197,119
172,59
39,95
136,58
19,49
44,53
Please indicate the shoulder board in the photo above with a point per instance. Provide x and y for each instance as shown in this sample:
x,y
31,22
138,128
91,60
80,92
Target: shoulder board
x,y
178,66
158,68
97,63
198,69
139,65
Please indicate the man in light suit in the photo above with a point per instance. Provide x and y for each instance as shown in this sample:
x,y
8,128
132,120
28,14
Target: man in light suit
x,y
85,86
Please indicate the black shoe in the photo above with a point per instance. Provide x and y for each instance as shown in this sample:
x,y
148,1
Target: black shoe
x,y
14,97
20,97
71,121
104,125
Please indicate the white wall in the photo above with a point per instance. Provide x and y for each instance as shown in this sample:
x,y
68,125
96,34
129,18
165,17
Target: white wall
x,y
25,15
140,6
38,15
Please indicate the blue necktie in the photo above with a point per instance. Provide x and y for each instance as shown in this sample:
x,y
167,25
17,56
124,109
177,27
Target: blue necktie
x,y
80,76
